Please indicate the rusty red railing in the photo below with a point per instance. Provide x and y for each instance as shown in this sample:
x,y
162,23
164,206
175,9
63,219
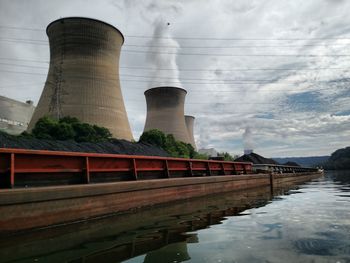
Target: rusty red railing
x,y
20,167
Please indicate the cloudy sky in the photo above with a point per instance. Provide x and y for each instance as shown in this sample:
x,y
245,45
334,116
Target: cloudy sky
x,y
272,75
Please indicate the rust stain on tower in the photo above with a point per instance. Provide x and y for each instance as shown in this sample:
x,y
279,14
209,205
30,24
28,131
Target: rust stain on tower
x,y
165,111
83,77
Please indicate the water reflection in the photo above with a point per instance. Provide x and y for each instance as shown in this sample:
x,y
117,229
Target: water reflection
x,y
306,224
121,237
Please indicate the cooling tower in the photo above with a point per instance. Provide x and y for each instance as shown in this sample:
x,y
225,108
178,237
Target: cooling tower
x,y
189,125
83,77
165,111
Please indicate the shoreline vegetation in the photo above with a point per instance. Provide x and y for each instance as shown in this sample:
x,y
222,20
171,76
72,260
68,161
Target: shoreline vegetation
x,y
69,134
339,160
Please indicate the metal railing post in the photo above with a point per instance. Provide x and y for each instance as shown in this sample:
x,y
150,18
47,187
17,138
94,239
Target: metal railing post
x,y
167,172
190,168
87,170
134,168
12,170
208,169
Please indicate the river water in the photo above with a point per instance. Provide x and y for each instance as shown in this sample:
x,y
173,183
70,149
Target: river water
x,y
309,222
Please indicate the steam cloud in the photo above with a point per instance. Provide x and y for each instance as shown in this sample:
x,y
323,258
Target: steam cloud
x,y
162,55
248,139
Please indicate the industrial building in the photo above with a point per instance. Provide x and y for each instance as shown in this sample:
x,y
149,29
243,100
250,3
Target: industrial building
x,y
83,77
15,115
165,112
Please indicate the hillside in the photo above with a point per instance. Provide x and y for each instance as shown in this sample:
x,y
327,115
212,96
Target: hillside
x,y
339,160
304,161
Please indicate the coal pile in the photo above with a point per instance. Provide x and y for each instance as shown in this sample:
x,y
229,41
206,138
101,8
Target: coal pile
x,y
113,146
255,159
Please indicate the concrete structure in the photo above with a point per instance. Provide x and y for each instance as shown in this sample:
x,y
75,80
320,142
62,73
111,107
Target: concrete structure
x,y
83,77
190,124
15,115
211,152
165,111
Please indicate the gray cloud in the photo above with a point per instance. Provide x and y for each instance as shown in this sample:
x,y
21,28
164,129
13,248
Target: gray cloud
x,y
289,112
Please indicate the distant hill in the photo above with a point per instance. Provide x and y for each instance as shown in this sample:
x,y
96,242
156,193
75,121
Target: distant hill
x,y
304,161
339,160
290,163
255,159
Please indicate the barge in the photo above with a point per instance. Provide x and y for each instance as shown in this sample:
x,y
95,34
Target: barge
x,y
45,188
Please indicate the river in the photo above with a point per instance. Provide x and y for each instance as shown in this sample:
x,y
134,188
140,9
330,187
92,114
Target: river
x,y
299,223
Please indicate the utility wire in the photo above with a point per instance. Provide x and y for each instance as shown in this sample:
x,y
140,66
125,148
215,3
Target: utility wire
x,y
195,83
234,55
196,38
40,42
186,69
218,79
240,82
234,69
212,54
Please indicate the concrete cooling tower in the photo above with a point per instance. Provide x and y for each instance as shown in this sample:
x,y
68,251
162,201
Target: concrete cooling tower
x,y
190,124
165,111
83,77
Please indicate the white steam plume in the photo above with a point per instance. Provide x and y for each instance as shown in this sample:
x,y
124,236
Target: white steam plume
x,y
248,139
162,55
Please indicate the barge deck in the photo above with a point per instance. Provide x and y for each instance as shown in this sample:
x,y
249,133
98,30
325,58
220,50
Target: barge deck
x,y
43,188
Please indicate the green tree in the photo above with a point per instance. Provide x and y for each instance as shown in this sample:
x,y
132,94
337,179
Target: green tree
x,y
63,131
168,143
44,128
69,120
69,128
102,133
201,156
227,156
154,137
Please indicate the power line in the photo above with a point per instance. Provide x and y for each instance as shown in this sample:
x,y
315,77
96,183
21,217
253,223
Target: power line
x,y
189,69
233,69
25,60
21,28
200,79
240,102
208,54
240,82
23,39
239,39
251,81
201,38
238,46
17,65
22,85
41,42
234,55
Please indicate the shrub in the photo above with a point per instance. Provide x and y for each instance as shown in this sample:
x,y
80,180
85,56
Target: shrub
x,y
63,131
69,128
154,137
44,128
168,143
227,156
201,156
